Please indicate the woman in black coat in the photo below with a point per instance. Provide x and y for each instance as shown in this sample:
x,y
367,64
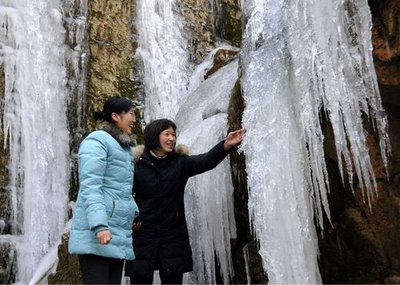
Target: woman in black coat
x,y
161,240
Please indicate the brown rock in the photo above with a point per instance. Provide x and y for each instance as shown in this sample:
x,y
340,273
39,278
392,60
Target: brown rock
x,y
245,243
199,27
221,58
363,245
68,270
111,47
7,250
386,40
229,21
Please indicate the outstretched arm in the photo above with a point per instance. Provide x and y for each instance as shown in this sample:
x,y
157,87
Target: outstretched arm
x,y
196,164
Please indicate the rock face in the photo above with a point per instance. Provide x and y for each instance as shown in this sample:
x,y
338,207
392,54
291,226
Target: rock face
x,y
68,271
386,40
111,73
361,246
229,21
4,149
245,244
111,70
199,28
7,253
206,24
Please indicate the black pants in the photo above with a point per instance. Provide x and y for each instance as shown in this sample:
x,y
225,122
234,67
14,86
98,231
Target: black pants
x,y
174,279
171,279
100,270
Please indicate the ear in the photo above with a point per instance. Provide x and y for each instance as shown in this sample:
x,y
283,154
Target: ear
x,y
116,118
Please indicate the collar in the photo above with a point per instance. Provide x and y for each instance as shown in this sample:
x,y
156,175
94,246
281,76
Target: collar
x,y
124,139
156,156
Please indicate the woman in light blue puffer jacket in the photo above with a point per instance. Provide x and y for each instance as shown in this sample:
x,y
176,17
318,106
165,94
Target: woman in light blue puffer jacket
x,y
101,232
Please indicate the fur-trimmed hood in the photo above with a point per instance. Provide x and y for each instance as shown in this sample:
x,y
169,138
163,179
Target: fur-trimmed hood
x,y
180,149
123,138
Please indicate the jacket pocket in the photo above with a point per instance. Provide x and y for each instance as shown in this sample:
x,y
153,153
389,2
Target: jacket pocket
x,y
110,206
113,208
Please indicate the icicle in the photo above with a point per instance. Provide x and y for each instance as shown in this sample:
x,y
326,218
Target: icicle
x,y
162,53
299,59
34,119
202,122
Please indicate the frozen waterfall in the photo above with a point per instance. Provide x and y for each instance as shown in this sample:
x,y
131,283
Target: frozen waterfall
x,y
300,59
164,68
202,122
32,53
170,93
162,56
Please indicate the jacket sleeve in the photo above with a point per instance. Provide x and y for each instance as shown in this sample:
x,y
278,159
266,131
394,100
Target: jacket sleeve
x,y
92,167
196,164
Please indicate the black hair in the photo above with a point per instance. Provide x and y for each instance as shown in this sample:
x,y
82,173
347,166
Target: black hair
x,y
113,104
152,131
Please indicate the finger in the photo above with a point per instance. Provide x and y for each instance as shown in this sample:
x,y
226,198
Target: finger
x,y
104,237
136,226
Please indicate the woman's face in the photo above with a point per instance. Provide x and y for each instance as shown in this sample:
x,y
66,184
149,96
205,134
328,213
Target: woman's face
x,y
125,121
167,141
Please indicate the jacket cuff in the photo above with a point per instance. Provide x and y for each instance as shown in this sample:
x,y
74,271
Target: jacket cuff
x,y
100,228
226,151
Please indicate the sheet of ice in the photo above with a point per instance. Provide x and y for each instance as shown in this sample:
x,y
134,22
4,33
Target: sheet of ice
x,y
299,59
202,122
162,53
202,103
197,77
47,265
246,258
32,52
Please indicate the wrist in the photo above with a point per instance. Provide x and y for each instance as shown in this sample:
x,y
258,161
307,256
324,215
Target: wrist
x,y
227,146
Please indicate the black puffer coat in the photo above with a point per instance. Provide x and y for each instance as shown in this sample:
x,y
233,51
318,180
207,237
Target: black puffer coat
x,y
159,190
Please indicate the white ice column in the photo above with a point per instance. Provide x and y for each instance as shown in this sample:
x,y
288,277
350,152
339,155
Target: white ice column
x,y
32,39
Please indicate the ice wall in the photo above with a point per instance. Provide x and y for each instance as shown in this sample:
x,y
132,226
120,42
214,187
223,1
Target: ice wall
x,y
202,122
162,57
32,52
300,59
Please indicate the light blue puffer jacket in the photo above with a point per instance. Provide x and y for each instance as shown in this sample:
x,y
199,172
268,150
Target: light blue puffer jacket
x,y
104,198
